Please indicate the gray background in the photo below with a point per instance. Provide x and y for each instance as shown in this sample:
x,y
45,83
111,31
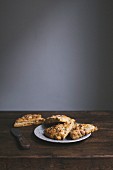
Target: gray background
x,y
56,55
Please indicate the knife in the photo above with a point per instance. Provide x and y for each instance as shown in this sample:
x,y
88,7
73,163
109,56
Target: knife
x,y
20,138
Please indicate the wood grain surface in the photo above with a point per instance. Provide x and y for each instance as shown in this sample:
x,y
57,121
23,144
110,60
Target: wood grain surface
x,y
94,153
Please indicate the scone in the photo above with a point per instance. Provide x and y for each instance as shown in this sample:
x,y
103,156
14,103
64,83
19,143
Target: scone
x,y
57,119
29,119
59,131
80,130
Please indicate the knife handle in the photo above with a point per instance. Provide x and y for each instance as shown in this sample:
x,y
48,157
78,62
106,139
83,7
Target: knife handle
x,y
23,143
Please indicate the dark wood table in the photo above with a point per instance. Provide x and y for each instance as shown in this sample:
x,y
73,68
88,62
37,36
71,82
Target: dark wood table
x,y
94,153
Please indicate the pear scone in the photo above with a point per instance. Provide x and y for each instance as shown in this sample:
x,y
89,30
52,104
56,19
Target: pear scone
x,y
29,119
59,131
80,130
57,119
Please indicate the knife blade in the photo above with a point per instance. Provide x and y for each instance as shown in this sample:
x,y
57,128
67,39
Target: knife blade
x,y
20,138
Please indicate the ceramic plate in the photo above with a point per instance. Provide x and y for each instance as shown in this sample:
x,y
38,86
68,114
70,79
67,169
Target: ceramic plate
x,y
39,132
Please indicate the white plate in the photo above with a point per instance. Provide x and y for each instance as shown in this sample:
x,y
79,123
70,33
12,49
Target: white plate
x,y
39,132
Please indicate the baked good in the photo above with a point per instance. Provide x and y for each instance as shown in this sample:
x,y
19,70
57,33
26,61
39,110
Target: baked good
x,y
59,131
80,130
29,119
57,119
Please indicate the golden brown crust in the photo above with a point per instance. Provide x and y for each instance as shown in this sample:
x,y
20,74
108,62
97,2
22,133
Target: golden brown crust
x,y
80,130
57,119
28,120
59,131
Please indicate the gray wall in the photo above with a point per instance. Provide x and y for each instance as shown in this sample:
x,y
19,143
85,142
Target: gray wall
x,y
56,55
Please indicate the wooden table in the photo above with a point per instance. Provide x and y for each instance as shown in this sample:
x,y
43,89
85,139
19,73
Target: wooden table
x,y
94,153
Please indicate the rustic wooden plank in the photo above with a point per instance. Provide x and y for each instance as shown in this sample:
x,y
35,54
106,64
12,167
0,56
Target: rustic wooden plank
x,y
57,164
94,153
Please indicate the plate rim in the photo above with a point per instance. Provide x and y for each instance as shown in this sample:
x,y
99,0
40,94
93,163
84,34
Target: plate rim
x,y
41,136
